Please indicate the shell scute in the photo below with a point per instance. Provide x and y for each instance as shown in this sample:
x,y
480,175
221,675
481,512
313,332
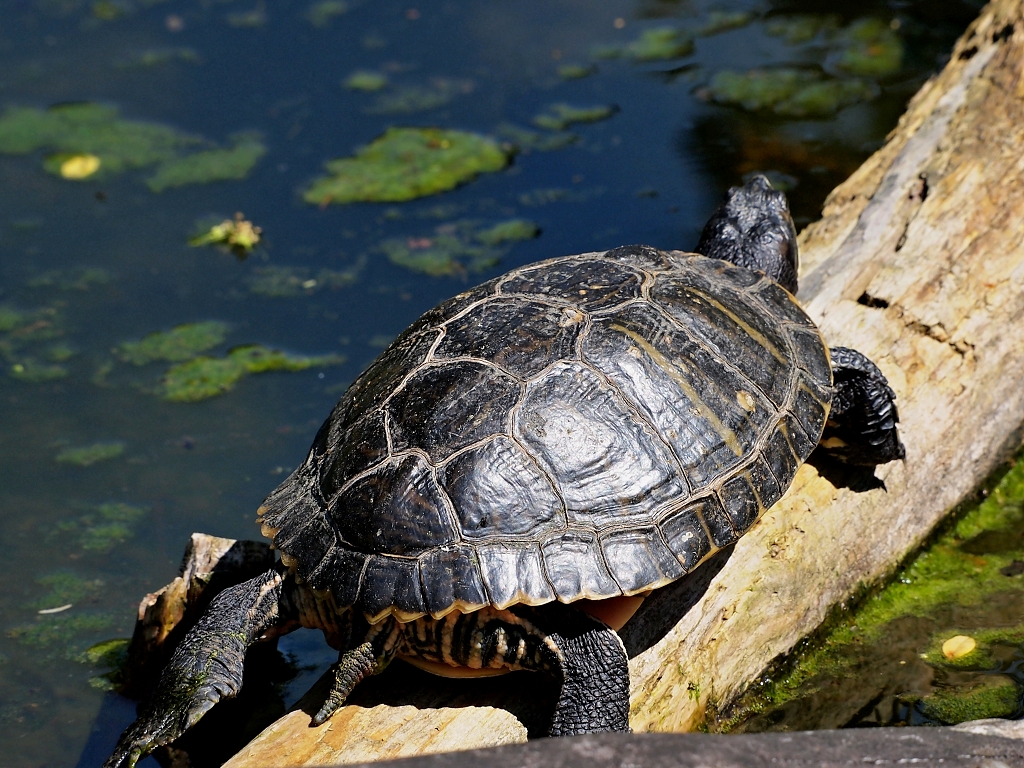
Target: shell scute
x,y
576,567
640,559
451,579
514,573
590,284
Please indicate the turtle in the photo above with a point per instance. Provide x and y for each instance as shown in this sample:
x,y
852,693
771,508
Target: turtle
x,y
504,484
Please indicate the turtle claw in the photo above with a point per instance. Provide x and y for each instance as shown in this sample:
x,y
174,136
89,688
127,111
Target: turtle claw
x,y
159,726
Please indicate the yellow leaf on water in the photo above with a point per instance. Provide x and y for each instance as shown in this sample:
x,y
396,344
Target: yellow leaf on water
x,y
958,646
79,166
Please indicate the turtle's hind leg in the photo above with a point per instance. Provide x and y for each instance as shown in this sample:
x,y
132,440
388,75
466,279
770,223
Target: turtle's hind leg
x,y
861,427
205,668
356,664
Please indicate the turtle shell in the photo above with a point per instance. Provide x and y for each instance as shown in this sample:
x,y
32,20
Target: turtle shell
x,y
583,427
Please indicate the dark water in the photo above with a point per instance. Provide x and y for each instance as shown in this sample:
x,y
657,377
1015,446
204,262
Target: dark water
x,y
651,173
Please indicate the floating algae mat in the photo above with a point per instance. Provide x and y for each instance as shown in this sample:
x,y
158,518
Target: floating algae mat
x,y
658,44
102,527
87,455
787,91
406,163
180,343
458,248
943,643
87,140
870,48
558,117
204,377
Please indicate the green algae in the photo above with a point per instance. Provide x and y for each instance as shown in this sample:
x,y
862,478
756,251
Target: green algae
x,y
87,455
102,527
67,131
659,44
723,21
71,279
441,255
410,99
321,14
366,80
237,236
406,163
90,128
289,282
576,71
180,343
210,165
558,117
786,91
801,28
526,140
971,567
60,635
205,377
155,57
508,232
112,654
30,370
869,48
65,587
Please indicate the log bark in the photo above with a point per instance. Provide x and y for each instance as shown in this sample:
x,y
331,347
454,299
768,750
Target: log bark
x,y
917,261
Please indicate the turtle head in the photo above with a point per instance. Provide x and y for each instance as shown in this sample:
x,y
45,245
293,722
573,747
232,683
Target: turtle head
x,y
753,229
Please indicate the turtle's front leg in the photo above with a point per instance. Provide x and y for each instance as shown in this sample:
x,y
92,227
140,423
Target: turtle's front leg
x,y
205,668
861,427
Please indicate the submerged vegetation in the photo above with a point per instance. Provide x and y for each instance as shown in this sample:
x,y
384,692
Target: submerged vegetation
x,y
180,343
87,455
789,92
406,163
458,248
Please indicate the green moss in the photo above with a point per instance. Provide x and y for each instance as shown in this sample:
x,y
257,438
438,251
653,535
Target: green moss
x,y
800,28
406,163
990,696
869,48
205,377
723,21
410,99
558,117
288,282
575,71
179,343
87,455
364,80
790,92
660,44
211,165
321,14
65,588
71,279
965,567
508,231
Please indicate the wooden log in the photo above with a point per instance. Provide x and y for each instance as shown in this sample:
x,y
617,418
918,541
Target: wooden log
x,y
918,261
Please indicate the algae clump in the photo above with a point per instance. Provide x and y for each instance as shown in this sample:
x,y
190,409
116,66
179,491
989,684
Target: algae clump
x,y
508,231
790,92
660,44
61,630
322,13
364,80
103,527
991,696
87,140
180,343
724,21
870,48
239,236
287,282
64,588
558,117
205,377
88,455
406,163
209,165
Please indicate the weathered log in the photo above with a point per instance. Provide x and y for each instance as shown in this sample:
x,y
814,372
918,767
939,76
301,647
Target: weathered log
x,y
210,565
918,261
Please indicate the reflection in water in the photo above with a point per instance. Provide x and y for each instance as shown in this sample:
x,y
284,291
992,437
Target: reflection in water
x,y
101,479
